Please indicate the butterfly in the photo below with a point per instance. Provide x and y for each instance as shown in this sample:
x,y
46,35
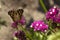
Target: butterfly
x,y
16,14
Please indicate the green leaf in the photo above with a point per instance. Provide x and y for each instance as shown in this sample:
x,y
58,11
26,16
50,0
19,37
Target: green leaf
x,y
15,38
58,24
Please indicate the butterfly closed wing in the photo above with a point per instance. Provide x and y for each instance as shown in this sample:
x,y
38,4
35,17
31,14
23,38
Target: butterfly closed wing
x,y
16,14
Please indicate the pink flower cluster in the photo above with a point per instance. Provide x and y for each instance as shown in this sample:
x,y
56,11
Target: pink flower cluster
x,y
39,26
53,14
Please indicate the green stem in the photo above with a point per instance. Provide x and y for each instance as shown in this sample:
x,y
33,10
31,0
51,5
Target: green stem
x,y
28,35
50,26
43,6
37,36
44,36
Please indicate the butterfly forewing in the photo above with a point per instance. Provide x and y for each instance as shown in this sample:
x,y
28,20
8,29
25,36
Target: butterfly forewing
x,y
11,13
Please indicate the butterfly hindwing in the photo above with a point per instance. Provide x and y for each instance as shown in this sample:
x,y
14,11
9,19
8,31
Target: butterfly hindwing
x,y
20,12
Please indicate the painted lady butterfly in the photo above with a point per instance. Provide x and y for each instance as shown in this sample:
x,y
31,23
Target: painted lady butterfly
x,y
16,14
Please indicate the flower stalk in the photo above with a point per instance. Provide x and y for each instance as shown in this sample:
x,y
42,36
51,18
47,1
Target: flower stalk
x,y
43,6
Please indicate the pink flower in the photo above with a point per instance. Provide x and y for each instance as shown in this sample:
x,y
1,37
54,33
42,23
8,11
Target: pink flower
x,y
20,35
39,26
22,22
54,10
57,19
14,24
50,15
